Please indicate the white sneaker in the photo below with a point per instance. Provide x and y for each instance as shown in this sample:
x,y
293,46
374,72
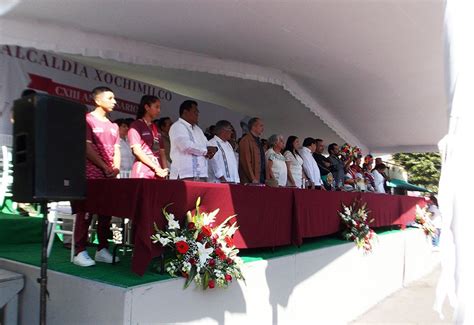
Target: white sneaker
x,y
83,259
104,256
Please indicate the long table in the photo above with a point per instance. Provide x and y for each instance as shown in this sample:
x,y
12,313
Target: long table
x,y
267,217
315,213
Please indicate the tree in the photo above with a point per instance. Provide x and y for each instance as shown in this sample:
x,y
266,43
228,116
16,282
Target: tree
x,y
424,169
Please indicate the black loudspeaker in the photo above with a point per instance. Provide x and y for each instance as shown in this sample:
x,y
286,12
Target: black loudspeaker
x,y
49,149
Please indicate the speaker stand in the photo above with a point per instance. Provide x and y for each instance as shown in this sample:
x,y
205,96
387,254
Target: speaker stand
x,y
43,280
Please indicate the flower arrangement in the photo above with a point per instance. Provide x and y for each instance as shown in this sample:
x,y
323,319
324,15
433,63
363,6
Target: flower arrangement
x,y
355,224
345,151
200,252
356,151
348,152
422,218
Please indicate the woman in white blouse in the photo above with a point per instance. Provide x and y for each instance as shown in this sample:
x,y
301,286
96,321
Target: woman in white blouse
x,y
294,162
276,168
379,179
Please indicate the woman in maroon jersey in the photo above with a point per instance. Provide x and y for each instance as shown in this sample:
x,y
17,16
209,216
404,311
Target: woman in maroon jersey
x,y
145,140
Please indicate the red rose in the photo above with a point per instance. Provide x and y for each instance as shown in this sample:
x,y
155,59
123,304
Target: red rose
x,y
200,237
229,241
228,277
206,231
191,226
192,261
229,261
182,247
212,262
220,254
211,284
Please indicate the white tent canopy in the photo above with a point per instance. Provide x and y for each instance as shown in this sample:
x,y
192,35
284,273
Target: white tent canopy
x,y
372,71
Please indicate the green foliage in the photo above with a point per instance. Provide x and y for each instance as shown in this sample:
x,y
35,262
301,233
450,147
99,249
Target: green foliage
x,y
424,169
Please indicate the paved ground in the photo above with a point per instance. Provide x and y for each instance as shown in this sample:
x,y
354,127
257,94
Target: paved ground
x,y
410,305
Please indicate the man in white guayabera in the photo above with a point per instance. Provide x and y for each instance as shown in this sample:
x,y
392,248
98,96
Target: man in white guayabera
x,y
223,166
189,151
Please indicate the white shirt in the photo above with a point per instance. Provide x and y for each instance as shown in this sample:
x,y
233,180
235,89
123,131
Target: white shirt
x,y
296,167
435,216
126,156
188,148
379,181
223,164
279,169
310,166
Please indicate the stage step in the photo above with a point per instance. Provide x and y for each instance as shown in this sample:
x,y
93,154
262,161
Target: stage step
x,y
11,284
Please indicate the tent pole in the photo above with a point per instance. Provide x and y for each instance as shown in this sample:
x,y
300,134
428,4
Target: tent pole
x,y
43,280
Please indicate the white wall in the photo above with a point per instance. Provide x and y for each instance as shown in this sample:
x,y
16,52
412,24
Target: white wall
x,y
329,285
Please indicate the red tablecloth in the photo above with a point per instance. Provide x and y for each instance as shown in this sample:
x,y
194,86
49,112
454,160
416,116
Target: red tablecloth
x,y
316,211
263,215
267,217
385,209
408,208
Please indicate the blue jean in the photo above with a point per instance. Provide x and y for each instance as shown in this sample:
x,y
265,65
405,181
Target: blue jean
x,y
435,238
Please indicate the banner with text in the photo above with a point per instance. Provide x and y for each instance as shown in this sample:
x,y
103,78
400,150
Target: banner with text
x,y
22,68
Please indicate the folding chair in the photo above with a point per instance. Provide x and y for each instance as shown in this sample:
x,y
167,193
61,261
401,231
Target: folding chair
x,y
58,213
7,174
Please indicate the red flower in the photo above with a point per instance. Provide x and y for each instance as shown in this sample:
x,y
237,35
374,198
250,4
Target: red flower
x,y
200,237
229,241
371,234
229,261
212,262
182,247
220,253
206,231
228,277
191,226
192,261
211,284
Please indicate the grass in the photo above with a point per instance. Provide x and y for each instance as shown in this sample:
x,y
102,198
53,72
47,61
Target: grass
x,y
20,240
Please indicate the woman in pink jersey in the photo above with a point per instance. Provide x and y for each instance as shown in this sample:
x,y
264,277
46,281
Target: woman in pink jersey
x,y
144,139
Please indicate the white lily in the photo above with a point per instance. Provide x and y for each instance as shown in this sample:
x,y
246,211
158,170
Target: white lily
x,y
155,238
179,238
210,218
164,241
173,224
203,253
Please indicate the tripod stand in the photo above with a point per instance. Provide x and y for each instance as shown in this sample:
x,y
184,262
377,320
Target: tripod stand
x,y
43,279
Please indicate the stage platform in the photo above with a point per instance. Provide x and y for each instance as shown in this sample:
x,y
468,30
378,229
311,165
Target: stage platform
x,y
324,281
